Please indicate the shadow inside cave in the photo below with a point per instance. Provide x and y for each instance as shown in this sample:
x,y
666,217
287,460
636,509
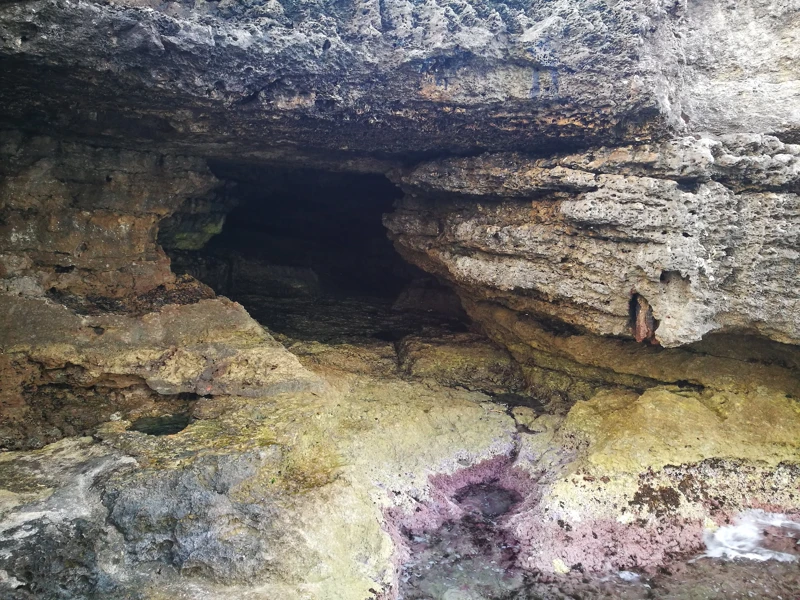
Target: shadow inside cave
x,y
305,252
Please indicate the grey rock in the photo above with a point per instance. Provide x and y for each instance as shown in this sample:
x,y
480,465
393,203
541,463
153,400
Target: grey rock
x,y
286,81
189,518
54,539
705,230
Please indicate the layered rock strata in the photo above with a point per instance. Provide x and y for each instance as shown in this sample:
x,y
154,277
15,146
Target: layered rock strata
x,y
118,365
696,235
278,496
81,220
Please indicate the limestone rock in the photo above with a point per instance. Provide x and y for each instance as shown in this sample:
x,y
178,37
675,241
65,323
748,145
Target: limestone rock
x,y
704,231
460,359
307,493
196,221
210,347
84,220
277,81
563,362
648,474
615,201
430,296
282,497
53,531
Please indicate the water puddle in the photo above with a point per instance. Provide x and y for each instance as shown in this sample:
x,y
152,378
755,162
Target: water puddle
x,y
162,425
467,559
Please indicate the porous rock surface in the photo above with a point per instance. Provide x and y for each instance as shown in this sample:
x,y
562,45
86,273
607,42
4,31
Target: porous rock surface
x,y
83,220
610,188
288,80
316,494
705,231
280,496
209,347
649,475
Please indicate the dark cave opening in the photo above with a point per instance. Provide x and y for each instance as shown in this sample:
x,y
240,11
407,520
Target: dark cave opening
x,y
167,424
326,225
306,253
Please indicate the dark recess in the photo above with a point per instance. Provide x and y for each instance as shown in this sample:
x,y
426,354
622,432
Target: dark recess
x,y
306,253
325,225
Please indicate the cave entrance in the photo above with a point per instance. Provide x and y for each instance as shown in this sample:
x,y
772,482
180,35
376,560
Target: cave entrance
x,y
306,253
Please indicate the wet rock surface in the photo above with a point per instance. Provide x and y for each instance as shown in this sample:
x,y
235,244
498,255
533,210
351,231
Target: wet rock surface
x,y
242,497
385,479
340,319
472,557
477,558
460,360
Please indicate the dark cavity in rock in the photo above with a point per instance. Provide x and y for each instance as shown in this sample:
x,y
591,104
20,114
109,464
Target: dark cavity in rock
x,y
643,321
306,253
161,425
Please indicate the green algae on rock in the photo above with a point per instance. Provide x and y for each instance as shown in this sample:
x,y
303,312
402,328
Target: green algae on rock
x,y
288,493
646,475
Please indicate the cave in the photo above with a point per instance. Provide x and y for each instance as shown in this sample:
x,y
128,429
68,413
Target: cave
x,y
399,300
306,253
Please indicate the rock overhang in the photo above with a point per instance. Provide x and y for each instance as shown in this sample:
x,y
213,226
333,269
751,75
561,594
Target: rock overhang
x,y
696,234
388,85
423,79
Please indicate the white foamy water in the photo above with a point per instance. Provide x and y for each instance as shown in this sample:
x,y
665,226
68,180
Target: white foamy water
x,y
745,538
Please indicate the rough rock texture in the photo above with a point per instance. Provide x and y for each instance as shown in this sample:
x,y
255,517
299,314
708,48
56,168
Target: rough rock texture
x,y
461,359
196,221
282,80
82,220
236,275
210,347
599,182
704,232
427,294
258,497
563,363
312,492
650,473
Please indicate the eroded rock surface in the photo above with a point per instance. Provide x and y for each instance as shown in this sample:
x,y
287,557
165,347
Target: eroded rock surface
x,y
611,190
280,496
209,347
651,473
704,231
295,81
323,492
83,220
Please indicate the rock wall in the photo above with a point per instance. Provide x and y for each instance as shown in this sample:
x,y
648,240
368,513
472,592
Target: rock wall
x,y
611,189
696,235
81,220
